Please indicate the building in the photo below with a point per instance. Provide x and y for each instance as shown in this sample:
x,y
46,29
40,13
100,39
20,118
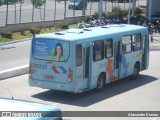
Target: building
x,y
153,9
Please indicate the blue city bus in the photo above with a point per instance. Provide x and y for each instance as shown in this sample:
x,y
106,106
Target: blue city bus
x,y
77,60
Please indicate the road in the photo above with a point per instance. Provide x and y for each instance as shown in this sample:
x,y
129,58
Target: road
x,y
123,95
14,55
50,14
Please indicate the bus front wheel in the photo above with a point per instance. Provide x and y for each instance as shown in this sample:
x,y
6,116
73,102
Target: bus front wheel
x,y
100,83
135,71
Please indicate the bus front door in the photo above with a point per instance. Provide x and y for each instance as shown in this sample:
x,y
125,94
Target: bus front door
x,y
83,57
145,48
86,67
116,58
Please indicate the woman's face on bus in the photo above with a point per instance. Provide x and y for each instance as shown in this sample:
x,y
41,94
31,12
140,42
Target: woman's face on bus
x,y
58,50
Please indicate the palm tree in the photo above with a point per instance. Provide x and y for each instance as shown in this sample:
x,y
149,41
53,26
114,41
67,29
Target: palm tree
x,y
37,4
65,3
1,2
15,11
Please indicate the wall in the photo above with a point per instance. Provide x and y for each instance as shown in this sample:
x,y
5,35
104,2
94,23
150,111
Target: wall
x,y
16,27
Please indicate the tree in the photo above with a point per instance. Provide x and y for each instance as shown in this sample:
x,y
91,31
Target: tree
x,y
38,4
15,4
1,2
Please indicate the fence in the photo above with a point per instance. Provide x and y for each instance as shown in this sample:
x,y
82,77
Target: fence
x,y
52,10
44,24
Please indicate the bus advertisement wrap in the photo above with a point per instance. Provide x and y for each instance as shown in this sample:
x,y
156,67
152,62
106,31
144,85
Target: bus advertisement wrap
x,y
50,50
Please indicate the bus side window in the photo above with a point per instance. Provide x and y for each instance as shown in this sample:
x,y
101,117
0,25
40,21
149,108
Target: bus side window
x,y
98,50
126,44
136,44
78,55
108,48
124,48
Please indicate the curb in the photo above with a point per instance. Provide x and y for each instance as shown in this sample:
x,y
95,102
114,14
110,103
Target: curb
x,y
15,41
14,72
154,47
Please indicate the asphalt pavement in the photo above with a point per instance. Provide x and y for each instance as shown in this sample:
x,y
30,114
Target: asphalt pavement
x,y
155,42
5,74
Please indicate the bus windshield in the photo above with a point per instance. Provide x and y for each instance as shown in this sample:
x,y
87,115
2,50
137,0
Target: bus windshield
x,y
49,49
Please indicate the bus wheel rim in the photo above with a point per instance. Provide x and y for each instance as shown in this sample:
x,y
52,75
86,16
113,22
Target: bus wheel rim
x,y
100,82
135,71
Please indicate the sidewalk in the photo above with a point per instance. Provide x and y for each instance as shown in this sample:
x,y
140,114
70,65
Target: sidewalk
x,y
154,46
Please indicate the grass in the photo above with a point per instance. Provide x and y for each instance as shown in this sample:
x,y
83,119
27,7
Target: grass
x,y
4,39
27,34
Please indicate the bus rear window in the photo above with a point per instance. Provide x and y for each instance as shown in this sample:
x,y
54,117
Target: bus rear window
x,y
48,49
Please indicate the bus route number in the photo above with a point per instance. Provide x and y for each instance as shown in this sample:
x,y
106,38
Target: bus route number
x,y
39,66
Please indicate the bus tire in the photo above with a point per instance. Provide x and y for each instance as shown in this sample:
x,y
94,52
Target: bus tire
x,y
100,83
135,71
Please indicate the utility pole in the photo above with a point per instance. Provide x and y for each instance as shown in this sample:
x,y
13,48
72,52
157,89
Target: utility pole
x,y
100,9
133,6
44,11
20,13
7,14
129,12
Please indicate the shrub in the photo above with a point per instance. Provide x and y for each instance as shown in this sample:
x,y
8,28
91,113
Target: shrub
x,y
7,35
96,15
65,25
22,30
138,10
50,27
40,27
57,25
117,12
35,30
87,18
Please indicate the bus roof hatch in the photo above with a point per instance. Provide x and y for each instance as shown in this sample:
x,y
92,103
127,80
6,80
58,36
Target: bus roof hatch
x,y
74,30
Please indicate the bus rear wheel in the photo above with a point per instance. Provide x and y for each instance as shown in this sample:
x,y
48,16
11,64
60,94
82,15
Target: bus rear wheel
x,y
100,83
135,71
